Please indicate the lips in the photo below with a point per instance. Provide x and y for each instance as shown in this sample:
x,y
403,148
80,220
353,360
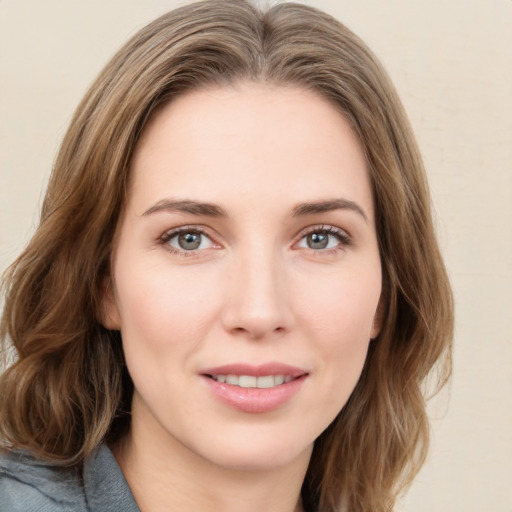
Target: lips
x,y
254,389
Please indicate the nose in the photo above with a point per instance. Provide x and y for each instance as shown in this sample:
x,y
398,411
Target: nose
x,y
257,304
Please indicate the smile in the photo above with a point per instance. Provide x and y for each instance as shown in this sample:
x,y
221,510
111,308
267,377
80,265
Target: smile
x,y
254,389
251,381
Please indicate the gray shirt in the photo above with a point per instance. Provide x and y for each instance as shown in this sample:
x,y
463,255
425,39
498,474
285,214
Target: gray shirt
x,y
29,485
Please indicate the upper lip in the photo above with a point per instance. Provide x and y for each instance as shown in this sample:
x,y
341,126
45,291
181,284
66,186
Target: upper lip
x,y
259,370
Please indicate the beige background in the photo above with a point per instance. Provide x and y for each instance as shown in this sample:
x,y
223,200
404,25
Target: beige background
x,y
452,63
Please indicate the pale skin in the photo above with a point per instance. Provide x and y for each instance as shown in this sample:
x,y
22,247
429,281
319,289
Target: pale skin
x,y
248,238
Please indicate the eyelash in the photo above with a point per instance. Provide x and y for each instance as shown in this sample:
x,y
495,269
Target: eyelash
x,y
344,239
169,235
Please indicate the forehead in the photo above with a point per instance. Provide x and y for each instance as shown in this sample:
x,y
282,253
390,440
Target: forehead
x,y
245,141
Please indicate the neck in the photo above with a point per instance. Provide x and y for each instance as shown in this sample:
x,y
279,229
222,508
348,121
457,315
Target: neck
x,y
168,476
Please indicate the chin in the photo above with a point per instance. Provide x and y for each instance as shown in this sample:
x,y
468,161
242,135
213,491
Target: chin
x,y
255,453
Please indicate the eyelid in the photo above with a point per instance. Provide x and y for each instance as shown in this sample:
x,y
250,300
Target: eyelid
x,y
343,236
171,233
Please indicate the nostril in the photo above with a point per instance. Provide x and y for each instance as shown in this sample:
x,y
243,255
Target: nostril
x,y
258,331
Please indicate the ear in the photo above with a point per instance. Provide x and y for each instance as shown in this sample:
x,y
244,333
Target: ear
x,y
378,319
109,313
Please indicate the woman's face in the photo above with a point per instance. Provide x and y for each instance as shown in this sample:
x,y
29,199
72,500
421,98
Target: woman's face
x,y
247,275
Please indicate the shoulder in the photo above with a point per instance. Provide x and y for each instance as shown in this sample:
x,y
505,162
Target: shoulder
x,y
30,485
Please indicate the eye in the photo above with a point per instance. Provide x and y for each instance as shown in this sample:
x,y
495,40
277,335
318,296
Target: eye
x,y
187,240
324,238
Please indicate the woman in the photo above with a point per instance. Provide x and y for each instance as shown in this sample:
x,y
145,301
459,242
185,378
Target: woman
x,y
235,293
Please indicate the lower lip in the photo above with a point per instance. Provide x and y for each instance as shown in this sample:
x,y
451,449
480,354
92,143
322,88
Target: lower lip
x,y
255,400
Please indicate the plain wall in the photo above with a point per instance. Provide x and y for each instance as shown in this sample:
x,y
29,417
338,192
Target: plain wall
x,y
451,61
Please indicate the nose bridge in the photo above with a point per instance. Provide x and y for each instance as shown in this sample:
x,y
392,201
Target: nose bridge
x,y
258,298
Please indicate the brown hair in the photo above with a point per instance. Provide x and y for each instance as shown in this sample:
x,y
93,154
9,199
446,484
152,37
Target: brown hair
x,y
68,389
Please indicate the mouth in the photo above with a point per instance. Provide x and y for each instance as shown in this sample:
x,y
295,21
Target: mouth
x,y
251,381
255,389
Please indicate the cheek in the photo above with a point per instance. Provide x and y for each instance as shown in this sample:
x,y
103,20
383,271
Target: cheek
x,y
162,310
165,319
341,307
340,318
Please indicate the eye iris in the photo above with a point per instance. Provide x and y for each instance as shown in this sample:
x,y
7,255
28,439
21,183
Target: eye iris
x,y
317,240
189,241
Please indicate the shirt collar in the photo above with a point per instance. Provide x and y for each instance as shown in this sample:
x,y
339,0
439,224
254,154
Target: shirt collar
x,y
104,484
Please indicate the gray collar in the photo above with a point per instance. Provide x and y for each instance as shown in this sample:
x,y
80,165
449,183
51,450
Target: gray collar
x,y
104,484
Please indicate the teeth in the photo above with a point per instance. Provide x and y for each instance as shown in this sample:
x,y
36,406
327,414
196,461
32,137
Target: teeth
x,y
249,381
232,379
267,381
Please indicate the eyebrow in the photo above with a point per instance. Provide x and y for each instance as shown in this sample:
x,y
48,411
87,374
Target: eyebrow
x,y
213,210
327,206
186,206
